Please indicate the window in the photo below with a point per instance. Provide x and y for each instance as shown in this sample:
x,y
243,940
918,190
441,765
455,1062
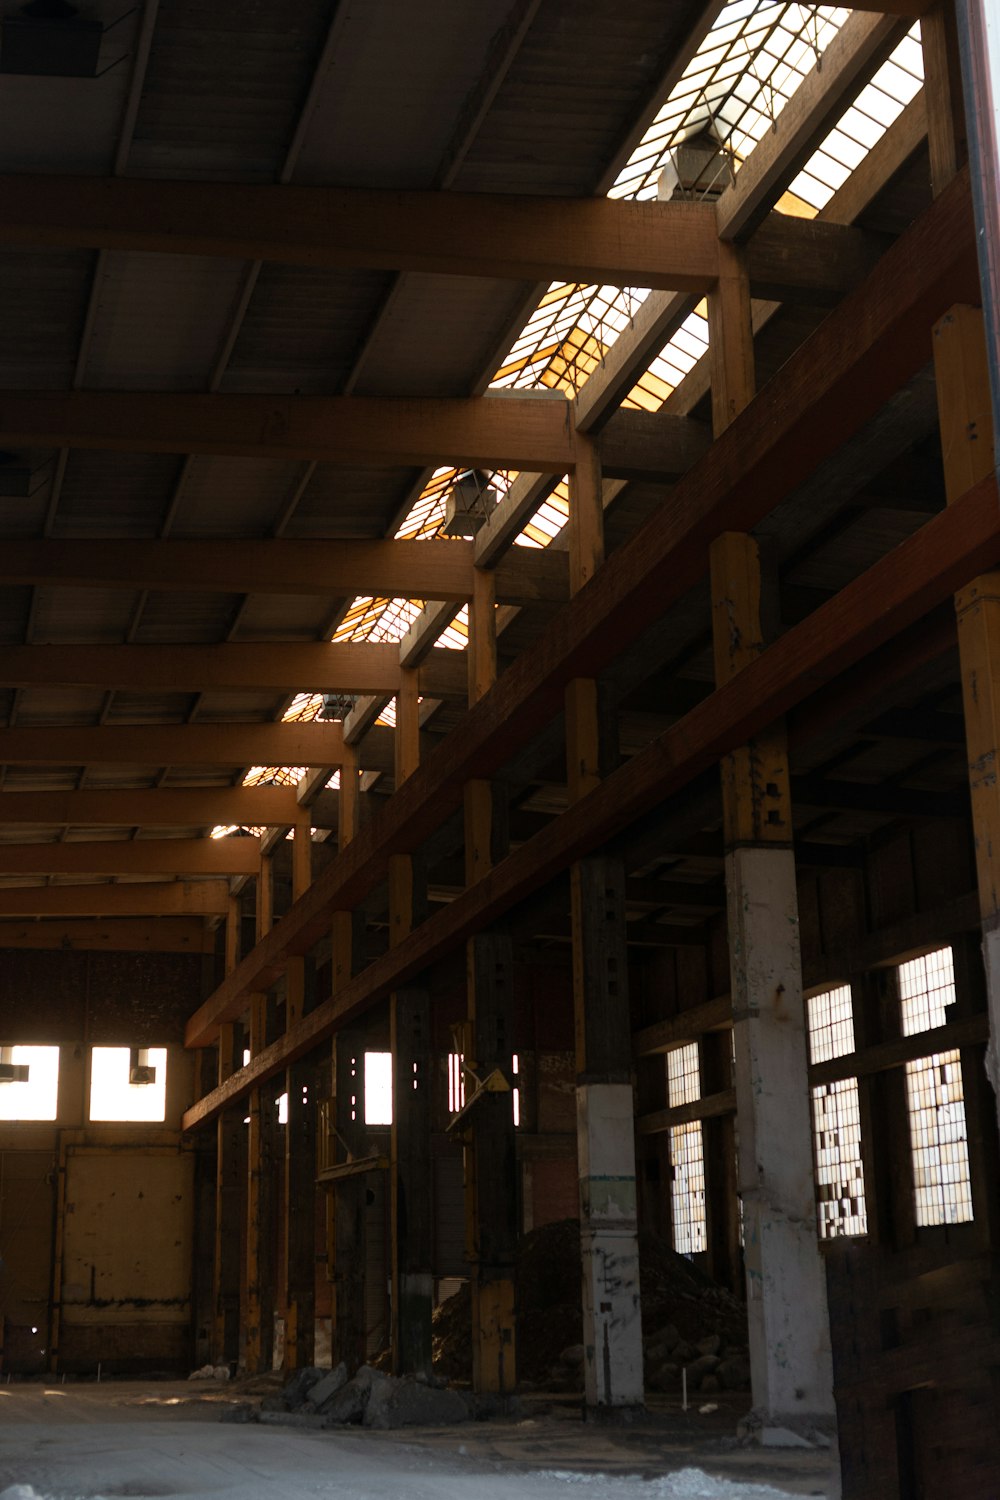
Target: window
x,y
935,1096
29,1083
687,1153
378,1088
840,1180
456,1082
128,1084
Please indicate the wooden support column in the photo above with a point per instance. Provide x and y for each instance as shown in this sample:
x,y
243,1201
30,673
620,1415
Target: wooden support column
x,y
947,142
725,1253
490,1160
612,1326
350,1323
258,1346
410,1183
229,1187
299,1217
968,450
790,1360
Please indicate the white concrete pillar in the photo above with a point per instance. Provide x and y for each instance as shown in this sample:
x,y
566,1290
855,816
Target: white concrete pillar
x,y
790,1361
612,1327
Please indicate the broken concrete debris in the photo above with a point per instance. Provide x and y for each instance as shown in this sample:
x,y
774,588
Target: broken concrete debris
x,y
326,1398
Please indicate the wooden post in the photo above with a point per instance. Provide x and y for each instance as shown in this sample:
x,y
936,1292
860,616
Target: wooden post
x,y
490,1160
968,450
947,141
612,1329
410,1184
350,1328
790,1360
229,1183
258,1347
299,1208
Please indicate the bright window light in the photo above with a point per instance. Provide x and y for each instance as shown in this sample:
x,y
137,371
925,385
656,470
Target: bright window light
x,y
113,1095
687,1153
516,1068
282,1109
378,1088
34,1097
456,1083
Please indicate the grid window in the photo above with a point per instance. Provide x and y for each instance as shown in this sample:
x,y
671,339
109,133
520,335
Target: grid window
x,y
29,1083
687,1153
936,1103
935,1096
840,1182
831,1024
840,1179
127,1085
926,989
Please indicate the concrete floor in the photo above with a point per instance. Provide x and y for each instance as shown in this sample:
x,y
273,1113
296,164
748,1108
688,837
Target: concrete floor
x,y
130,1439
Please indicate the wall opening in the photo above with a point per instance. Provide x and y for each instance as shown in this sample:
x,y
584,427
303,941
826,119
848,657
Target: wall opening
x,y
836,1108
687,1153
128,1084
29,1083
378,1088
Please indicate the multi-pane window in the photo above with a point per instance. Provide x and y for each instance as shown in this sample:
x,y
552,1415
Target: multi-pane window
x,y
128,1084
840,1181
29,1083
934,1095
687,1153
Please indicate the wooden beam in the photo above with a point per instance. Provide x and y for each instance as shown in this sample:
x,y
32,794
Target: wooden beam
x,y
964,1031
604,240
708,1107
432,569
687,1026
230,856
891,595
121,935
160,807
175,898
824,392
382,431
237,745
307,666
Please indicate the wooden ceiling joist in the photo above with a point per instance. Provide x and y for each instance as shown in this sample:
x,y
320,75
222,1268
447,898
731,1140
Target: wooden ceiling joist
x,y
114,935
158,807
498,431
172,898
223,856
228,744
280,667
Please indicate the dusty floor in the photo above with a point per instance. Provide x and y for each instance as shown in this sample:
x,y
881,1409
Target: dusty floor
x,y
124,1439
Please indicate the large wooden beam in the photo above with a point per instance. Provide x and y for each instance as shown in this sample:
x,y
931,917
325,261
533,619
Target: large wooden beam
x,y
433,569
604,240
174,898
160,807
891,595
517,432
236,745
313,666
227,856
827,390
115,935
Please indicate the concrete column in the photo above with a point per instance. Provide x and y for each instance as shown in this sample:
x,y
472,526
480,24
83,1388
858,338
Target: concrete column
x,y
790,1361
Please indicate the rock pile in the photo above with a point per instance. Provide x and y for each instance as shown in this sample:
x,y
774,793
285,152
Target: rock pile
x,y
688,1321
315,1397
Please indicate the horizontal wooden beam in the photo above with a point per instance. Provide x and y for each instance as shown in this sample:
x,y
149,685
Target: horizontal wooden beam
x,y
278,667
708,1107
158,807
173,898
827,390
893,594
224,856
687,1026
520,432
112,935
235,745
432,569
604,240
964,1031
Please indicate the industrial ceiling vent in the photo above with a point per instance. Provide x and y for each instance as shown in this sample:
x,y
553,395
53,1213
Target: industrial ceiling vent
x,y
10,1071
696,169
469,503
336,705
140,1070
50,38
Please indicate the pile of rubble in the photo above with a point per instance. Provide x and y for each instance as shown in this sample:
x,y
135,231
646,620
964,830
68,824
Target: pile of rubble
x,y
315,1397
689,1323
